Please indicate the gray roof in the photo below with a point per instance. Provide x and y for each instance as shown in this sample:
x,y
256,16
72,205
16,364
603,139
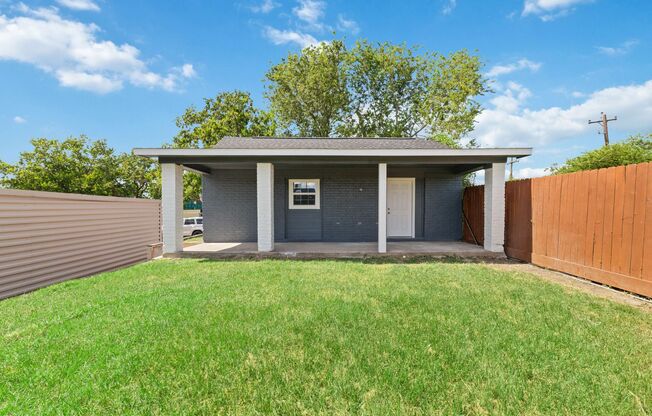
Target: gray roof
x,y
345,143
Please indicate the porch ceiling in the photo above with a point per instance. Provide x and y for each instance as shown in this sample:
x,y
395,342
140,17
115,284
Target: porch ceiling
x,y
452,164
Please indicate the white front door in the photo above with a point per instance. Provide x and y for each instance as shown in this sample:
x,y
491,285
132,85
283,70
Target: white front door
x,y
400,207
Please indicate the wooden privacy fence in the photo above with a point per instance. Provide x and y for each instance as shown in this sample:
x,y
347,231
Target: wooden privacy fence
x,y
48,237
594,224
518,215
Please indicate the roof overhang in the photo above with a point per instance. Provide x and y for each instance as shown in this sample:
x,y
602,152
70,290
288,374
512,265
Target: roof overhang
x,y
457,160
333,153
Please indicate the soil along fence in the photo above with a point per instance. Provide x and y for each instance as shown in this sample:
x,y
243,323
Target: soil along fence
x,y
48,237
594,224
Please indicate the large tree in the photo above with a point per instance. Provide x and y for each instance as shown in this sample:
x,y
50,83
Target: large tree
x,y
80,165
308,90
230,113
376,90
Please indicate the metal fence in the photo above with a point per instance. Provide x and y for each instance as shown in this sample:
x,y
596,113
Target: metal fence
x,y
48,237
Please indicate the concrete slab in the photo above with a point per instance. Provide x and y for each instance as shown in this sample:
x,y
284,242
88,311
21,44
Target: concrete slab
x,y
338,250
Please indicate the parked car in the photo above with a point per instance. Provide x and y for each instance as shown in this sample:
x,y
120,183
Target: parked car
x,y
193,226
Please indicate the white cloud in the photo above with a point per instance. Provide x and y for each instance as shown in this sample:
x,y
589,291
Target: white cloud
x,y
449,7
347,25
623,49
310,11
188,71
519,65
89,82
71,52
512,97
86,5
282,37
524,173
265,7
548,10
19,120
517,126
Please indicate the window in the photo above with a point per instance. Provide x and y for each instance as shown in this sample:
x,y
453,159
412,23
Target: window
x,y
304,193
189,221
200,221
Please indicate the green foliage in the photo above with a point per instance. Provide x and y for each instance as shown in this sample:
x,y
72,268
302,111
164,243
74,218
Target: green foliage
x,y
395,91
308,91
79,165
376,90
287,337
228,114
635,149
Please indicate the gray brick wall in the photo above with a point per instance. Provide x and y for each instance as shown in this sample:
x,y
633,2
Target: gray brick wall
x,y
349,205
443,207
229,201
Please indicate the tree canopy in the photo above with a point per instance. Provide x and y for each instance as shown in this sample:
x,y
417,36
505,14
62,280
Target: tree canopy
x,y
375,90
80,165
230,113
635,149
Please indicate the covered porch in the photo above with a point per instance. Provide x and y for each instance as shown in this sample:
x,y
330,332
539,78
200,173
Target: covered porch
x,y
339,250
250,208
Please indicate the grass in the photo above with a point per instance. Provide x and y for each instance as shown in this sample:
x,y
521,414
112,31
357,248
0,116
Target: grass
x,y
329,337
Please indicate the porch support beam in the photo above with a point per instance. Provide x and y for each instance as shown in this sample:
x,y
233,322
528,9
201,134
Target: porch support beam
x,y
382,207
494,208
172,207
265,205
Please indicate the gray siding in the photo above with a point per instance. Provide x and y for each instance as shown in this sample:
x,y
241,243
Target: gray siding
x,y
349,205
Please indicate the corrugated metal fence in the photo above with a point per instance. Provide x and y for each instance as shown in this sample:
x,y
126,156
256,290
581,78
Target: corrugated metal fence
x,y
594,224
48,237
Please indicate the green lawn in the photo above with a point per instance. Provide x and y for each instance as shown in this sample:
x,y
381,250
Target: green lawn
x,y
329,337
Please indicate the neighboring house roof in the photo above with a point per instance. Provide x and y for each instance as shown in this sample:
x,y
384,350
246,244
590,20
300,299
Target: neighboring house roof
x,y
345,143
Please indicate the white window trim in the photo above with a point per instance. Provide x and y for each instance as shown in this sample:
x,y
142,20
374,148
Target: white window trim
x,y
291,194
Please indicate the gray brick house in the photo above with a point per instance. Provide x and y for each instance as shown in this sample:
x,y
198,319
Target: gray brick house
x,y
273,190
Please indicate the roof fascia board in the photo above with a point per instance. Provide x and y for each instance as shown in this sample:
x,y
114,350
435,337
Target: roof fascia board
x,y
501,152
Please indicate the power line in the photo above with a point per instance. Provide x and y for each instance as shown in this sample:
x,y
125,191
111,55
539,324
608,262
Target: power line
x,y
511,162
604,122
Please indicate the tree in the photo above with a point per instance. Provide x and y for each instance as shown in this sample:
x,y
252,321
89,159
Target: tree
x,y
140,177
79,165
635,149
376,90
397,92
230,113
308,90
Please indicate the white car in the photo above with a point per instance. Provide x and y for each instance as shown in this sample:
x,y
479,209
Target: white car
x,y
193,226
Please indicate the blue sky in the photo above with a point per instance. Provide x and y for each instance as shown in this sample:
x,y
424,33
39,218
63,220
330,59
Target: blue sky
x,y
124,70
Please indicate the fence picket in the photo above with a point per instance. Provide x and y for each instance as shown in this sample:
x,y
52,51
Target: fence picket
x,y
594,224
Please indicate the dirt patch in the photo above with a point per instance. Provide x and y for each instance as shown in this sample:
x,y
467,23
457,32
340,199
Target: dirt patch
x,y
577,284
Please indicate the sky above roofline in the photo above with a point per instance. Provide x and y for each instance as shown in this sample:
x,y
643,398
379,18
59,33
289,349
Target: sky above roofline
x,y
123,71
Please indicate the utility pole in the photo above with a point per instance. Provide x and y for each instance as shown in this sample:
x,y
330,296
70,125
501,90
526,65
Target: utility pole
x,y
604,122
511,162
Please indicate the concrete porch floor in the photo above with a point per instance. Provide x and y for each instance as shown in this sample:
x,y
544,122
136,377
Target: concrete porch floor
x,y
338,250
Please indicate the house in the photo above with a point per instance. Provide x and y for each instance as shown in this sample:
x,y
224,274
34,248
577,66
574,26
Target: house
x,y
274,190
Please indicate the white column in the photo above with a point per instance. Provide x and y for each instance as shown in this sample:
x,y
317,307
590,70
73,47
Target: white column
x,y
382,207
494,207
172,207
265,205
